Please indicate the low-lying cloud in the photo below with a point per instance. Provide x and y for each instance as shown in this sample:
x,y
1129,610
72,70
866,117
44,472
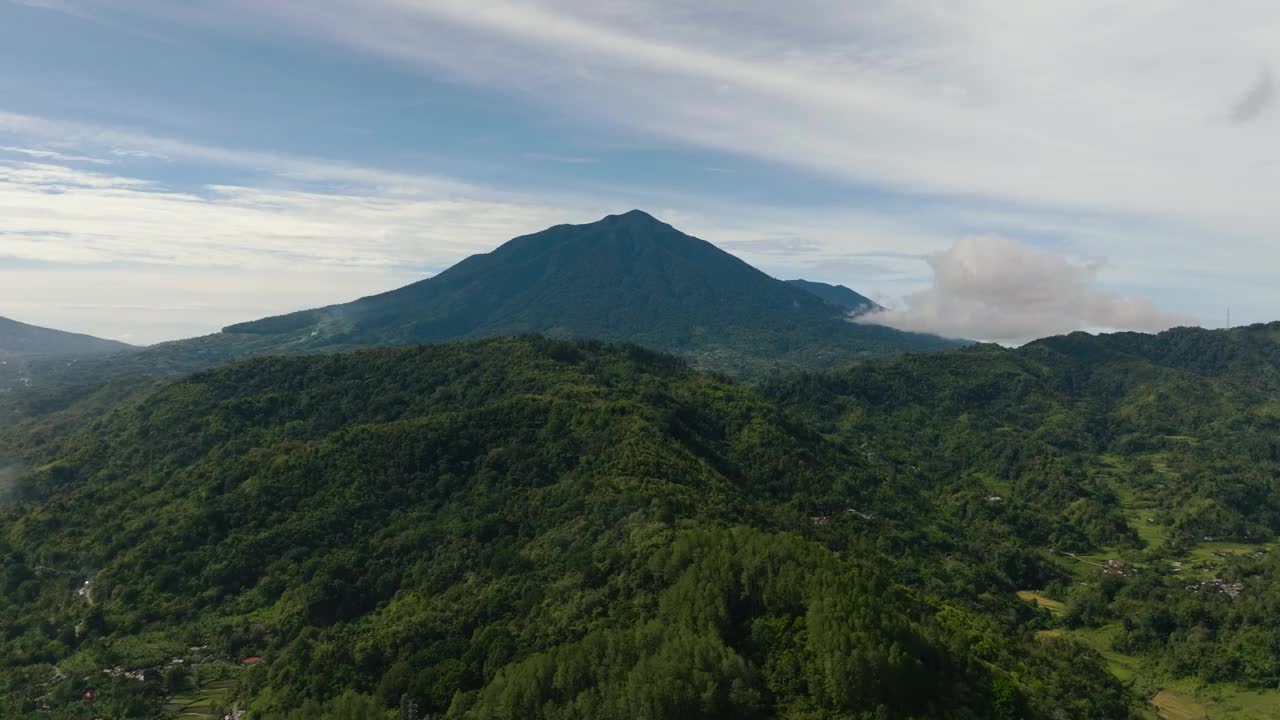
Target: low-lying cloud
x,y
996,289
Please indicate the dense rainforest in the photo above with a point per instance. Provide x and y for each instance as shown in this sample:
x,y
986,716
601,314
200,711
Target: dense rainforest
x,y
536,528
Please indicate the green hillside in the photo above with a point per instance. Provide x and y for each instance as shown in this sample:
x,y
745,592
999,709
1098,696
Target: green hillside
x,y
515,528
1160,452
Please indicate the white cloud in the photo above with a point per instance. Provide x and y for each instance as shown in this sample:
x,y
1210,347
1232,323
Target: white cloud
x,y
138,154
996,289
281,165
1103,129
43,154
98,218
1060,106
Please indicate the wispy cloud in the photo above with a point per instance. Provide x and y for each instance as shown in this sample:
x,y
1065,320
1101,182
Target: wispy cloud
x,y
43,154
138,154
107,218
1061,106
563,159
282,165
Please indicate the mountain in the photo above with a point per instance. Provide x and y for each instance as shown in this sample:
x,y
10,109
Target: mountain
x,y
842,297
19,339
625,278
514,528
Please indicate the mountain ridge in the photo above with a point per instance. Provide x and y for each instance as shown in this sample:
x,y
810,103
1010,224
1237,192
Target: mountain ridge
x,y
854,303
21,339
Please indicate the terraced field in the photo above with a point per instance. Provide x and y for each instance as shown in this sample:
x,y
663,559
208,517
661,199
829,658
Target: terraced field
x,y
210,702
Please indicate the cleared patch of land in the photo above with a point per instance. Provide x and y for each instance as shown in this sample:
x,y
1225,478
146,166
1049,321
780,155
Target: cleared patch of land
x,y
1043,601
1174,705
1125,667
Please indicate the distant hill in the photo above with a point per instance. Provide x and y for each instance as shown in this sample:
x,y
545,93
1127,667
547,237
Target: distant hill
x,y
21,339
838,295
626,278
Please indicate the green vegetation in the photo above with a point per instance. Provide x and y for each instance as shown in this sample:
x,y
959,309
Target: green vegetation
x,y
533,528
1157,454
512,528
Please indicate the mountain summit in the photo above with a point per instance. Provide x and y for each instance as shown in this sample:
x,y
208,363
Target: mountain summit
x,y
627,277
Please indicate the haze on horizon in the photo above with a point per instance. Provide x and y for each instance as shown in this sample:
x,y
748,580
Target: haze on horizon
x,y
993,170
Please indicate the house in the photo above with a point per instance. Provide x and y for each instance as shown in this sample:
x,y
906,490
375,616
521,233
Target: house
x,y
1116,567
821,520
250,661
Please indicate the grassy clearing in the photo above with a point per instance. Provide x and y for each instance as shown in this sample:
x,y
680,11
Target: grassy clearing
x,y
1139,513
1181,699
1173,705
1047,603
1124,667
1186,700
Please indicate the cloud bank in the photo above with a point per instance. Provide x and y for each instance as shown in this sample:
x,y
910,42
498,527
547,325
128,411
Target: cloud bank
x,y
996,289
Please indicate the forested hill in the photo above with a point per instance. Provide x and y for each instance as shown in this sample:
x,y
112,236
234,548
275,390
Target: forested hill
x,y
1161,452
533,528
1248,355
626,278
517,528
20,339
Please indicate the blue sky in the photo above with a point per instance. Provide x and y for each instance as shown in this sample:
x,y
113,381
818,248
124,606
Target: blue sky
x,y
990,169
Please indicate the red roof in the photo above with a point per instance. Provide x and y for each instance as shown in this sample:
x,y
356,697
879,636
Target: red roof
x,y
252,660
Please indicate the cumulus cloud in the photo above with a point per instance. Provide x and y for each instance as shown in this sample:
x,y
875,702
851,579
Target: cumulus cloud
x,y
997,289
